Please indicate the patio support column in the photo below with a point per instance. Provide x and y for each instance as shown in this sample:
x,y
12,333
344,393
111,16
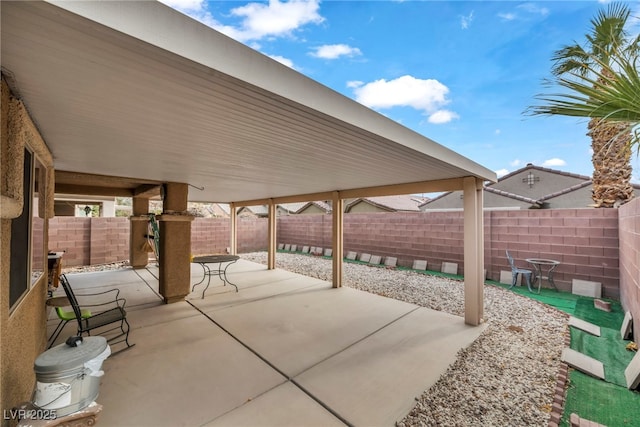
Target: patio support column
x,y
233,243
271,257
338,238
138,256
175,244
473,252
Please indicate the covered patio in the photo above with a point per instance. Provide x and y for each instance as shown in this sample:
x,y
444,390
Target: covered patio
x,y
134,99
286,350
142,101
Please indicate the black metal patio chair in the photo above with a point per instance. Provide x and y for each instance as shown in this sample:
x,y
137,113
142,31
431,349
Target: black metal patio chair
x,y
101,312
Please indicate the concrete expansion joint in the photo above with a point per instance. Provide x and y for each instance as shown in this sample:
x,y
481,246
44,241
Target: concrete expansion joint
x,y
288,378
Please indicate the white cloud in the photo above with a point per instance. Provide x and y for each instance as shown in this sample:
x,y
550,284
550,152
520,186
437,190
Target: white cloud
x,y
533,9
507,16
501,172
258,20
554,162
334,51
406,91
275,18
184,5
497,131
526,9
283,60
515,163
465,21
442,116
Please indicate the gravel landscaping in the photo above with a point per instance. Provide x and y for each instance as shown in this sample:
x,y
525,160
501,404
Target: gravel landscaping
x,y
505,378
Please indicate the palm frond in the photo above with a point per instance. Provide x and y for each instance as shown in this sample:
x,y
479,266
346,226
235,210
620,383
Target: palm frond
x,y
612,95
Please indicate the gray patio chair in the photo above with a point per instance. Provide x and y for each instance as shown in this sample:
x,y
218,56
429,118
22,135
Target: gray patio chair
x,y
515,271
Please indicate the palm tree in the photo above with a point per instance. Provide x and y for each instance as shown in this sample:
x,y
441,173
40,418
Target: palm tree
x,y
615,98
605,77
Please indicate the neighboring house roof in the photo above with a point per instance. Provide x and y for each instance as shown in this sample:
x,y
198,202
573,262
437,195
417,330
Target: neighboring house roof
x,y
291,207
323,206
223,207
390,203
556,185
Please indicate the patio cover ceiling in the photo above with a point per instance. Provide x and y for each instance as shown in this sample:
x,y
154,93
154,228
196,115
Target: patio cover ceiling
x,y
138,90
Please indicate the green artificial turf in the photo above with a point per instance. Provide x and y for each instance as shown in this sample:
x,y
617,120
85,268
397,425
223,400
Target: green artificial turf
x,y
606,402
600,401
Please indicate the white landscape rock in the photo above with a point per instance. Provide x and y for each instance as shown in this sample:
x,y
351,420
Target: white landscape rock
x,y
506,377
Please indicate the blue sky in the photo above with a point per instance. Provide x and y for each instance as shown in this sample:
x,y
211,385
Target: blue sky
x,y
459,72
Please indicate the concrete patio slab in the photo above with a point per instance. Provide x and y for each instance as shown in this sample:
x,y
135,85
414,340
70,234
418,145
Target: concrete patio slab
x,y
286,405
254,285
319,323
184,372
375,381
137,287
285,350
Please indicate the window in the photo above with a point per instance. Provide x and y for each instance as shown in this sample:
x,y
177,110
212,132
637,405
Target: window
x,y
27,234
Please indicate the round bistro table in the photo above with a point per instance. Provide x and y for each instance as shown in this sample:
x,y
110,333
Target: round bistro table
x,y
539,264
223,262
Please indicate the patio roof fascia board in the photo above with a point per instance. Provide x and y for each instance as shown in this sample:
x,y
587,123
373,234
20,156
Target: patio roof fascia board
x,y
195,41
450,184
385,190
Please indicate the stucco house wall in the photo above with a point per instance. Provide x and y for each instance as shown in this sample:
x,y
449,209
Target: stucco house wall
x,y
575,199
311,209
544,182
454,200
531,183
22,325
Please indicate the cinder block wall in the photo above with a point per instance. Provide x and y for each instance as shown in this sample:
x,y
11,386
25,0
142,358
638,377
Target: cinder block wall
x,y
305,230
91,241
211,235
252,234
585,241
629,215
72,235
109,240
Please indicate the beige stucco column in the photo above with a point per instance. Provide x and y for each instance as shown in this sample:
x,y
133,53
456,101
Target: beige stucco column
x,y
175,244
338,238
473,252
138,256
271,256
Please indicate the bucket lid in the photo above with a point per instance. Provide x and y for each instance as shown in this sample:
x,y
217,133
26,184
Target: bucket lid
x,y
63,357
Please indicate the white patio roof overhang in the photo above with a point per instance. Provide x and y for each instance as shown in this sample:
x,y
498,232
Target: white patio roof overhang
x,y
136,90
